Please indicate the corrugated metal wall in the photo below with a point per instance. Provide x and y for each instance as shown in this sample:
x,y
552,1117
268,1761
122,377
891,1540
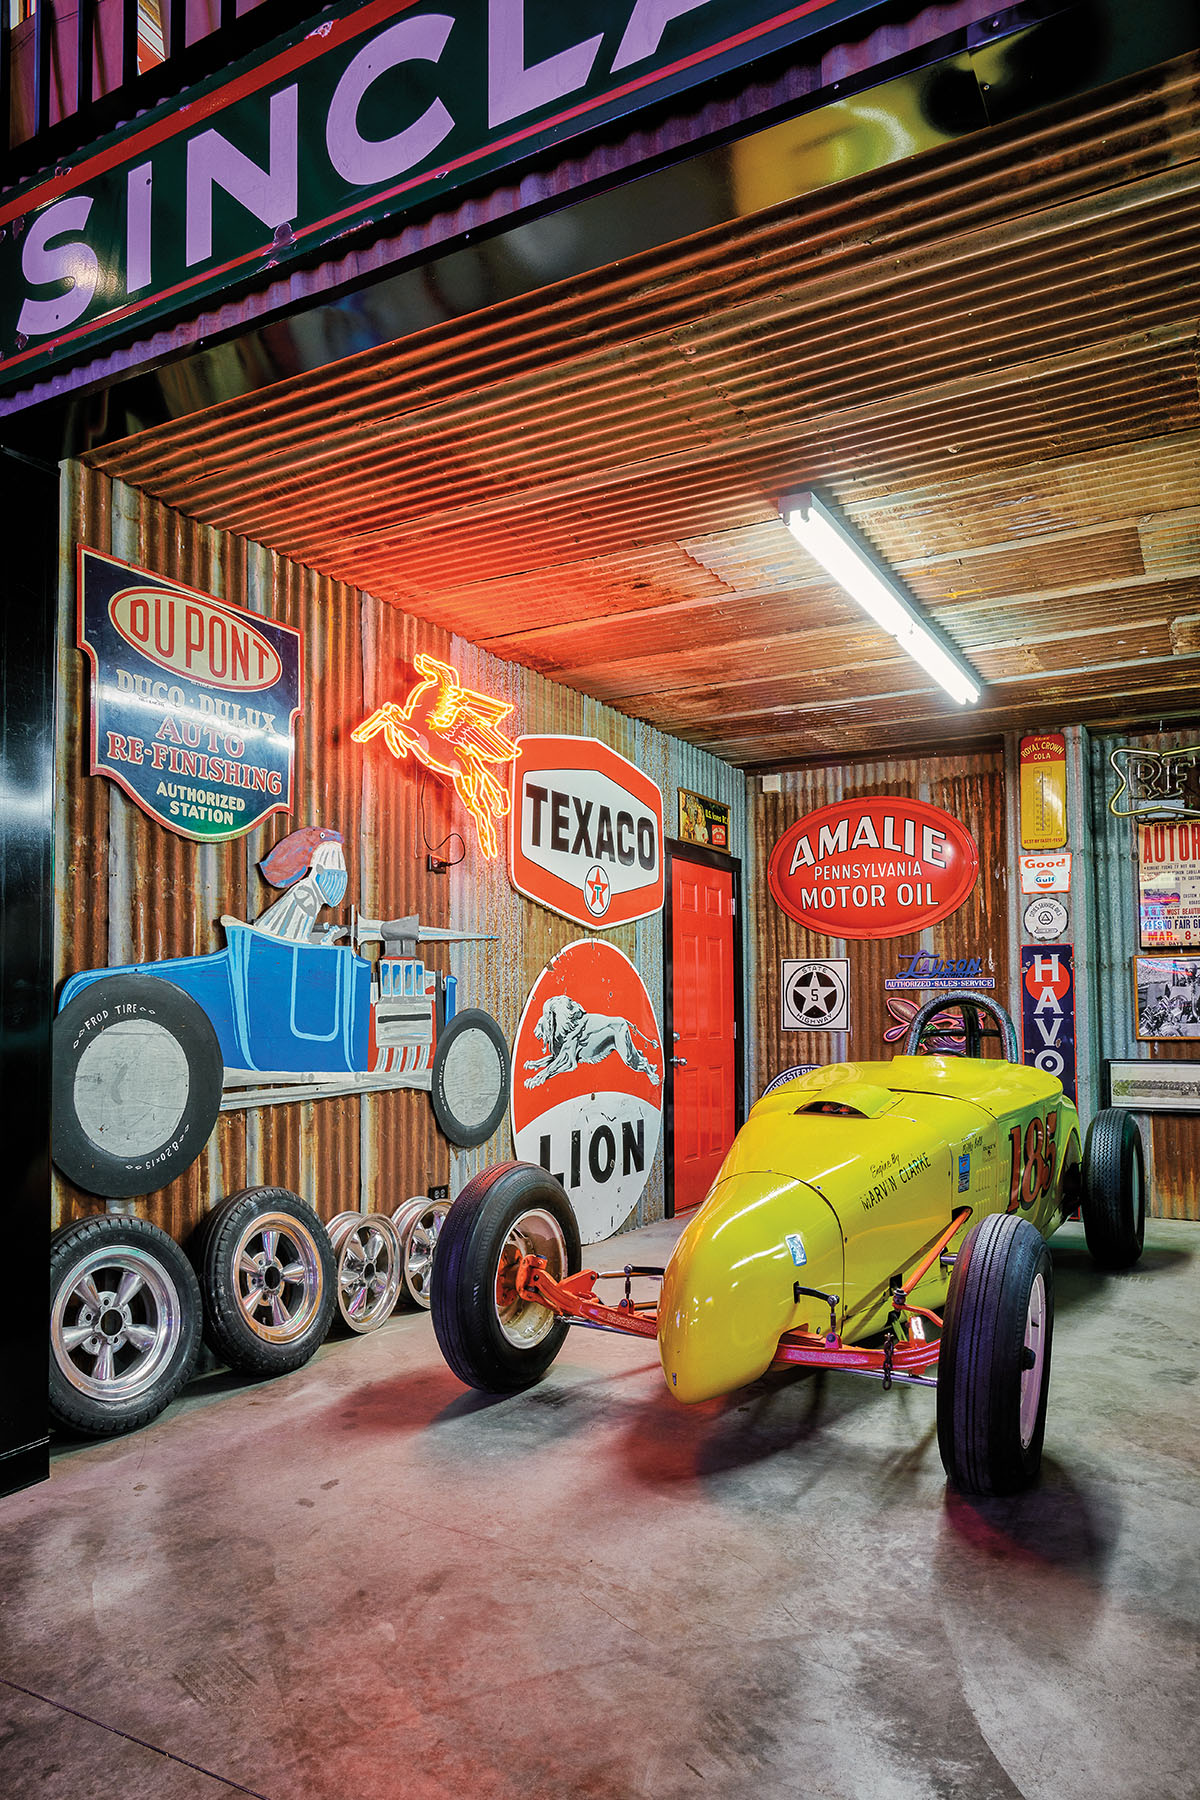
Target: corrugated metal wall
x,y
127,889
1173,1139
971,788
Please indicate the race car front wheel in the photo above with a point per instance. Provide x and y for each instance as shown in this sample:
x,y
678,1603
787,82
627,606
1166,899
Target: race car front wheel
x,y
124,1324
993,1371
1113,1193
491,1335
269,1279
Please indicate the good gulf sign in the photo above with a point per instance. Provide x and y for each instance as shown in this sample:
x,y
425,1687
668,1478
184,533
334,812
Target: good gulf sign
x,y
585,831
875,867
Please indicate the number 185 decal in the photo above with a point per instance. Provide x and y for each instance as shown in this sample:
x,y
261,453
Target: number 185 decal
x,y
1032,1170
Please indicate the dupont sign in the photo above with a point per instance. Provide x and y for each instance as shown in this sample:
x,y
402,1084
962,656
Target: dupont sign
x,y
193,702
585,832
876,867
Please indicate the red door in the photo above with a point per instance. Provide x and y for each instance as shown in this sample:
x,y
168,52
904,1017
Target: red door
x,y
704,1050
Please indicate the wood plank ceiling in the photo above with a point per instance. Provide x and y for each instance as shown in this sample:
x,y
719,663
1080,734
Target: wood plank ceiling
x,y
985,353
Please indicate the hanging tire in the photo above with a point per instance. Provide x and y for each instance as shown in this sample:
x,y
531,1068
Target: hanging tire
x,y
417,1250
993,1371
367,1248
1113,1192
137,1073
124,1324
491,1338
269,1280
469,1088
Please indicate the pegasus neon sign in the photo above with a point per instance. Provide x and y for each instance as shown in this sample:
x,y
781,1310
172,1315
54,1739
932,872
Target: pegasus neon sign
x,y
455,732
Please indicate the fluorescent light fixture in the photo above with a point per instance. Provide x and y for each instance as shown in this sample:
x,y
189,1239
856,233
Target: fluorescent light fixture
x,y
832,542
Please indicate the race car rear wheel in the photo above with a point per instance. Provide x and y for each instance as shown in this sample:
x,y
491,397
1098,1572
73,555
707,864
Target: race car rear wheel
x,y
490,1335
1113,1192
993,1370
136,1085
124,1324
269,1277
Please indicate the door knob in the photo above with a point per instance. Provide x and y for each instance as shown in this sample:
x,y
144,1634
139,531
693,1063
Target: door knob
x,y
680,1062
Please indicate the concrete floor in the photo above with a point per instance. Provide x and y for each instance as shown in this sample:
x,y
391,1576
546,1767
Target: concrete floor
x,y
364,1580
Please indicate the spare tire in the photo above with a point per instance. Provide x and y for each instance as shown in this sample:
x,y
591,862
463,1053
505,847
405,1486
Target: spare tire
x,y
136,1085
469,1083
124,1324
268,1275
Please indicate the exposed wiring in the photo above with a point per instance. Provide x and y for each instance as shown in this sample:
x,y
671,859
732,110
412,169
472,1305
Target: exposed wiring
x,y
433,849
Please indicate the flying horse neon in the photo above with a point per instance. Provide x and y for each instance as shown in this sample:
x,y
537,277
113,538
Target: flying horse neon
x,y
454,731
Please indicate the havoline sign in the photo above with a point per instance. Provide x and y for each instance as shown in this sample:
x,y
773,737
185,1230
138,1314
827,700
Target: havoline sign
x,y
585,831
352,119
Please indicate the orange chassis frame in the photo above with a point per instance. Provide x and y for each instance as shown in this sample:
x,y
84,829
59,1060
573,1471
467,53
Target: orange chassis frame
x,y
575,1299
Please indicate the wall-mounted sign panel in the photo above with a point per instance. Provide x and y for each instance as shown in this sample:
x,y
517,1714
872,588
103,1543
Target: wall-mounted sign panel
x,y
1169,885
875,867
360,117
1048,1011
1044,792
193,702
585,832
1048,873
587,1072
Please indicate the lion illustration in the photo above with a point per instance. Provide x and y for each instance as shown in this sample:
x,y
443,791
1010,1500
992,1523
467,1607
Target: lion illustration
x,y
571,1036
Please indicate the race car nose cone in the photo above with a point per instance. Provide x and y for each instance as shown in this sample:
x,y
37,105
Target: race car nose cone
x,y
729,1288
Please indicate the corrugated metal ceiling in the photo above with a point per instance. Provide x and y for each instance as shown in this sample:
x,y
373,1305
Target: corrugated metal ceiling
x,y
986,353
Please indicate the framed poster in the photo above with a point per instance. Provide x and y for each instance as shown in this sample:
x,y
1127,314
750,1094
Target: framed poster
x,y
1169,885
703,821
1142,1086
1166,997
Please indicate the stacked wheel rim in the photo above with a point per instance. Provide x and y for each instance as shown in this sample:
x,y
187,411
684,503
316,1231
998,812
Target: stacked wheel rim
x,y
419,1246
369,1269
124,1323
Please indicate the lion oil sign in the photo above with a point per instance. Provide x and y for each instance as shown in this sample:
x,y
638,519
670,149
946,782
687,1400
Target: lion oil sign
x,y
193,702
587,1073
874,867
585,832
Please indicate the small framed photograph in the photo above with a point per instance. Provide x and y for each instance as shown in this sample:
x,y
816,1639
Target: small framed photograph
x,y
1167,998
1142,1086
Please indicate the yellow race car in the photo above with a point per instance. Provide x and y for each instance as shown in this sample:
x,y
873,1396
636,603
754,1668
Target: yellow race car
x,y
884,1218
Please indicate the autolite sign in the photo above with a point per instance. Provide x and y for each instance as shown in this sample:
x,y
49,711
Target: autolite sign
x,y
585,831
876,867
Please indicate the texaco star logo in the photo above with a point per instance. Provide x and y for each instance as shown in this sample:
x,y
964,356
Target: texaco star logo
x,y
817,994
597,891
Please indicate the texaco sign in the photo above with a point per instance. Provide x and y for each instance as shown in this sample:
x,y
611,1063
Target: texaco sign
x,y
585,832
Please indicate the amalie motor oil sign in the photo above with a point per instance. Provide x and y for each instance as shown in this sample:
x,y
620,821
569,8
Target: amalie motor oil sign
x,y
875,867
193,702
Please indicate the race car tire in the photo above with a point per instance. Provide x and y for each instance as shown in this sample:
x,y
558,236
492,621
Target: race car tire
x,y
469,1088
491,1338
993,1371
124,1324
269,1280
420,1241
136,1085
1113,1190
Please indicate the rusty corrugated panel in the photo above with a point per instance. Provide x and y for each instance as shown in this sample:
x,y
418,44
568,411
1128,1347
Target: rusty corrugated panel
x,y
1173,1140
969,786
